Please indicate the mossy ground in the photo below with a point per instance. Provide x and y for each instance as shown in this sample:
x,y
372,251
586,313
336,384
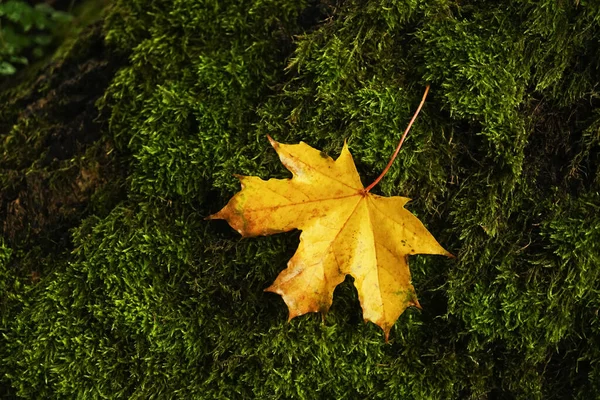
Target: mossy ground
x,y
112,284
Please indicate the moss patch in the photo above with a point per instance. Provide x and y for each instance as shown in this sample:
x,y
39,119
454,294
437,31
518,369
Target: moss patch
x,y
113,284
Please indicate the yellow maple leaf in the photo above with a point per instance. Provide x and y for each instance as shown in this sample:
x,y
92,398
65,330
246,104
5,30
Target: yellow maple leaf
x,y
345,230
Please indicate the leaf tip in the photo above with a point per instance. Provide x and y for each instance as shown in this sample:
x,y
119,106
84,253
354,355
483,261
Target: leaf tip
x,y
213,216
270,289
415,303
273,142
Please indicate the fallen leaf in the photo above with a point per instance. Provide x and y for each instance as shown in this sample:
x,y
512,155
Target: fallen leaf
x,y
345,230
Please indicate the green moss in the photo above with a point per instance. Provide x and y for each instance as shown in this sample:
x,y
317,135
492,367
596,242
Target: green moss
x,y
146,299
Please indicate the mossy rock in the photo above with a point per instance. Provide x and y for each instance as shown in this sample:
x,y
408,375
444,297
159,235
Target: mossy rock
x,y
113,152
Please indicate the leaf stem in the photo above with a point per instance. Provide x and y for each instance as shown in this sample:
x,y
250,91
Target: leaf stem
x,y
399,144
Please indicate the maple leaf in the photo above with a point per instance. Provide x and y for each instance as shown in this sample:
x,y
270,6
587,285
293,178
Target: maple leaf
x,y
345,230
